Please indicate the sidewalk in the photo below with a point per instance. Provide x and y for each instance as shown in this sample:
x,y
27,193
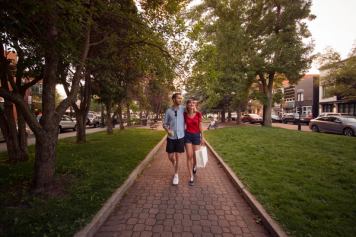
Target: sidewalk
x,y
153,207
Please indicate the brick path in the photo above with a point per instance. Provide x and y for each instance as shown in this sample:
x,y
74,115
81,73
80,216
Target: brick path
x,y
153,207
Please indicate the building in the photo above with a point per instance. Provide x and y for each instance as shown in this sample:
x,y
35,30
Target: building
x,y
335,104
304,94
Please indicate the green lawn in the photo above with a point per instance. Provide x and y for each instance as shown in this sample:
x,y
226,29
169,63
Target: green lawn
x,y
306,181
90,172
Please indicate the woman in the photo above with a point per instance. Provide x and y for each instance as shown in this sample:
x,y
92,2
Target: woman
x,y
193,136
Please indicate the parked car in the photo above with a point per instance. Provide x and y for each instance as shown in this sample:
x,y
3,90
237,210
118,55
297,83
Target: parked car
x,y
293,118
290,118
276,118
251,118
332,114
67,123
334,124
93,120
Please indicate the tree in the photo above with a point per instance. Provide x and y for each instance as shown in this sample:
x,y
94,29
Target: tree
x,y
220,64
17,72
341,75
276,31
57,29
266,38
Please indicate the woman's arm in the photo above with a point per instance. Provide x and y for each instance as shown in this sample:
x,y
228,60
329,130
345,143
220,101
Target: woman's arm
x,y
201,129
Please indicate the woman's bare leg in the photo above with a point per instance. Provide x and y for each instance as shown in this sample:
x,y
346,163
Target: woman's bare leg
x,y
195,148
189,150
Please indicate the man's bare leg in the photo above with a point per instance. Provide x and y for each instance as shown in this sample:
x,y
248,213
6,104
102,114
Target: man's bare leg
x,y
174,157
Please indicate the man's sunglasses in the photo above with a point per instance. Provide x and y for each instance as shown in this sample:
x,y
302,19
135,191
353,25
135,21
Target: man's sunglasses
x,y
175,113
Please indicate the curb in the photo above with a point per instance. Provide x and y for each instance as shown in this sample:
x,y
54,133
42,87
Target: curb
x,y
100,217
271,225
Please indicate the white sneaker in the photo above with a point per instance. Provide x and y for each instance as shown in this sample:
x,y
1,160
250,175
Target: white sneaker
x,y
175,179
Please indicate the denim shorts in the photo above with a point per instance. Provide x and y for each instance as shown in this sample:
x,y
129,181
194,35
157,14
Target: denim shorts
x,y
193,138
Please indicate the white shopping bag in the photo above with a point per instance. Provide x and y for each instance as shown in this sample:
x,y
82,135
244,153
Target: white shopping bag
x,y
202,156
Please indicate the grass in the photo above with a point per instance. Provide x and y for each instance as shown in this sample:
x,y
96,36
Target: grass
x,y
306,181
91,172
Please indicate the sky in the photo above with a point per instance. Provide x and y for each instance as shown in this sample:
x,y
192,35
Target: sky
x,y
335,26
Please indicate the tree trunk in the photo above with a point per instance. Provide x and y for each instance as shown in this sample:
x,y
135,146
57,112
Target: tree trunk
x,y
238,115
81,126
81,112
8,119
13,148
223,118
102,119
121,121
229,116
109,127
45,162
128,114
22,137
267,108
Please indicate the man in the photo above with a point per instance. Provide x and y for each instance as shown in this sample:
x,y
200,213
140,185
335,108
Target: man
x,y
174,126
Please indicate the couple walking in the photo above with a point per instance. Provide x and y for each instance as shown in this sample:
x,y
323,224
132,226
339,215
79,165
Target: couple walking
x,y
185,130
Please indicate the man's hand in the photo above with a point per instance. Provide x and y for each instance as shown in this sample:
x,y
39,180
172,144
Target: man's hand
x,y
170,133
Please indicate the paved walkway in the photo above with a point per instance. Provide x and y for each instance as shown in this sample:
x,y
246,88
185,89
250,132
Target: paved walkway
x,y
153,207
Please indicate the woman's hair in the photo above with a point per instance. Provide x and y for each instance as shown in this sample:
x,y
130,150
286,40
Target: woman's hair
x,y
190,101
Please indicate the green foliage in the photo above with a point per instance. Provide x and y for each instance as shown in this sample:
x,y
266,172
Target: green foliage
x,y
306,181
139,52
250,38
341,78
219,75
87,175
278,97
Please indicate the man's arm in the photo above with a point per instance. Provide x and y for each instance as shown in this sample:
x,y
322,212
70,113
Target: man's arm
x,y
166,123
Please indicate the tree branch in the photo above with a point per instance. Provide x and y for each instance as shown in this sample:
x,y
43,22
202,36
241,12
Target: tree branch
x,y
144,42
61,108
100,41
25,111
31,83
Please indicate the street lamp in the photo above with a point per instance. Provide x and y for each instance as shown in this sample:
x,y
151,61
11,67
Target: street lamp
x,y
300,99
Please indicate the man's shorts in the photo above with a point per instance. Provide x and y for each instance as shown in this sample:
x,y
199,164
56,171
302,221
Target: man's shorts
x,y
175,145
193,138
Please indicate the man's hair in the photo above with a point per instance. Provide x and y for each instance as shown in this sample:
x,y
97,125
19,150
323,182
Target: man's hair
x,y
175,95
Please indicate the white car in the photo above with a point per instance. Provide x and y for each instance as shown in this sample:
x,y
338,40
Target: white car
x,y
67,123
93,120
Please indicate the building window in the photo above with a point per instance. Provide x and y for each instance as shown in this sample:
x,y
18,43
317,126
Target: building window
x,y
353,109
347,109
306,110
327,108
